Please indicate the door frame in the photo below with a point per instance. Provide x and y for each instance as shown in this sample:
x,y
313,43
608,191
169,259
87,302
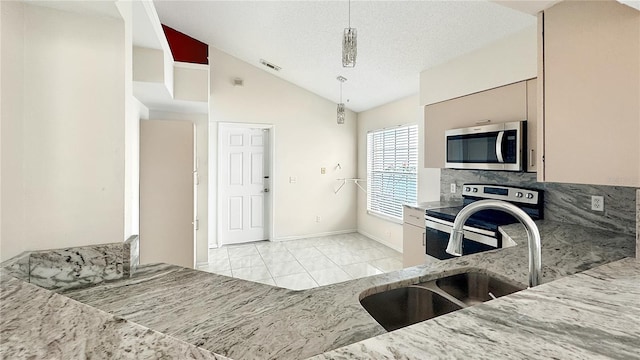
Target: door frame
x,y
270,198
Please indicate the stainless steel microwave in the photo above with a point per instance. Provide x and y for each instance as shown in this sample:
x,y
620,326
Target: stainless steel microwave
x,y
486,147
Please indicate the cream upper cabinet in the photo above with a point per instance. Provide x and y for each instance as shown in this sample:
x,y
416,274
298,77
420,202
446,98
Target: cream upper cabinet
x,y
502,104
591,69
531,153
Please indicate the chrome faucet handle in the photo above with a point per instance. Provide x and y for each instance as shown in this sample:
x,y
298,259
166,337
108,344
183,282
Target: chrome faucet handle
x,y
454,247
533,234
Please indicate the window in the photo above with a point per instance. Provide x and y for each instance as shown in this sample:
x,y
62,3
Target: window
x,y
392,170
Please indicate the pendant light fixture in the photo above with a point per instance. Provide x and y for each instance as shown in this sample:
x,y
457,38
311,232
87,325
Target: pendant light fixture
x,y
341,111
349,44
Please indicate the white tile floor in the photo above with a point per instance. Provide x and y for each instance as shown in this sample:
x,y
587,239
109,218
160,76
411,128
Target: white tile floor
x,y
306,263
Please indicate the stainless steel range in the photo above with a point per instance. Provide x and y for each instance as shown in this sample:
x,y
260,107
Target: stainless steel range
x,y
481,230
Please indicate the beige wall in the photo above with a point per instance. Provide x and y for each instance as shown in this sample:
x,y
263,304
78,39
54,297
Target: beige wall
x,y
306,137
63,184
506,61
11,132
401,112
191,82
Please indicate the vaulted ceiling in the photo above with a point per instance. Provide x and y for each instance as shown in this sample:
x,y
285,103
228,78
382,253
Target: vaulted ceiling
x,y
396,39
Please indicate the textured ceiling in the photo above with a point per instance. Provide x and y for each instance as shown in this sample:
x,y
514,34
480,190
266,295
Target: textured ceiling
x,y
396,39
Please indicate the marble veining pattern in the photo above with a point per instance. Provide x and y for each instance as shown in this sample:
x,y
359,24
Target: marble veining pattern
x,y
39,324
638,223
76,267
80,266
245,320
570,203
591,315
18,266
130,255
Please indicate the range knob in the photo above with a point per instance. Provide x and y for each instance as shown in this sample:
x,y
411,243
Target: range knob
x,y
475,189
467,189
519,194
529,196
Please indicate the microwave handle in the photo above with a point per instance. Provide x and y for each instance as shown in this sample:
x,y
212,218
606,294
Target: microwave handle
x,y
499,141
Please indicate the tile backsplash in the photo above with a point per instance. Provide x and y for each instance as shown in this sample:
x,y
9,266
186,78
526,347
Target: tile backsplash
x,y
570,203
638,224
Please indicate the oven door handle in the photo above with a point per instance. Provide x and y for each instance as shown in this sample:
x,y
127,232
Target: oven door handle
x,y
438,226
499,141
468,235
446,226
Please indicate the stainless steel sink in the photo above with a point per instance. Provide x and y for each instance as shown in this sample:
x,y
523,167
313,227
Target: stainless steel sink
x,y
397,308
404,306
473,288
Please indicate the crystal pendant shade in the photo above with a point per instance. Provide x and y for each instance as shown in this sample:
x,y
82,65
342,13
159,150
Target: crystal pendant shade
x,y
341,113
349,47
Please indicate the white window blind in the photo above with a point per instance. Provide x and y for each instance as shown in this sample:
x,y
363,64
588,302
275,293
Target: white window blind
x,y
392,170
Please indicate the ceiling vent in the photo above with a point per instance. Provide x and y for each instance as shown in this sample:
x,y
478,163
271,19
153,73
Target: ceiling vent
x,y
270,65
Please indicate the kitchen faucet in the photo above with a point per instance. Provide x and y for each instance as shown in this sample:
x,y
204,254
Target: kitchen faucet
x,y
454,247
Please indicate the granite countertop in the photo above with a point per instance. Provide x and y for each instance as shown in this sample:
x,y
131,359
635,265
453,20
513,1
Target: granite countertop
x,y
40,324
434,205
245,320
590,315
173,312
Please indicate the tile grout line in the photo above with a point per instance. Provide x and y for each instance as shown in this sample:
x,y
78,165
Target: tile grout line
x,y
348,250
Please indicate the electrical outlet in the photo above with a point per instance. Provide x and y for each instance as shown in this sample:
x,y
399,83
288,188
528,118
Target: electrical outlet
x,y
293,180
597,203
323,171
453,188
318,218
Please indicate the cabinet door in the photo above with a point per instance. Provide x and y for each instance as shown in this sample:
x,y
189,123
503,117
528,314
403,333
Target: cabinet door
x,y
503,104
591,91
532,126
413,216
414,248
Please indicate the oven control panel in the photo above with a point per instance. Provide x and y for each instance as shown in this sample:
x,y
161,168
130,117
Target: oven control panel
x,y
505,193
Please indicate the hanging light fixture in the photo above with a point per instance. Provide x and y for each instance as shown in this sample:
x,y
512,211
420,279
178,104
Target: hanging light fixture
x,y
349,44
341,112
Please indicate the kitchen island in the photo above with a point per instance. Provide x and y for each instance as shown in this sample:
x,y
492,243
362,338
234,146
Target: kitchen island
x,y
245,320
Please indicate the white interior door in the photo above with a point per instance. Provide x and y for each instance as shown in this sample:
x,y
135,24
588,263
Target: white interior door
x,y
243,184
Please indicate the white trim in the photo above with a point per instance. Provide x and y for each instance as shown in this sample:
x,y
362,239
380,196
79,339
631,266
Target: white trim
x,y
381,241
246,125
272,168
385,217
378,157
328,233
200,264
393,127
187,65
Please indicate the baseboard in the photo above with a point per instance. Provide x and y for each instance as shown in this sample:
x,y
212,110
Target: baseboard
x,y
381,241
201,264
328,233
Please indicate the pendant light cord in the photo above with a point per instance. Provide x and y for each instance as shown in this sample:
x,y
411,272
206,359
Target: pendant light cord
x,y
349,14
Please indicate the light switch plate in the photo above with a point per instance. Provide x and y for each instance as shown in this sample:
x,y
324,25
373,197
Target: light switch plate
x,y
323,171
